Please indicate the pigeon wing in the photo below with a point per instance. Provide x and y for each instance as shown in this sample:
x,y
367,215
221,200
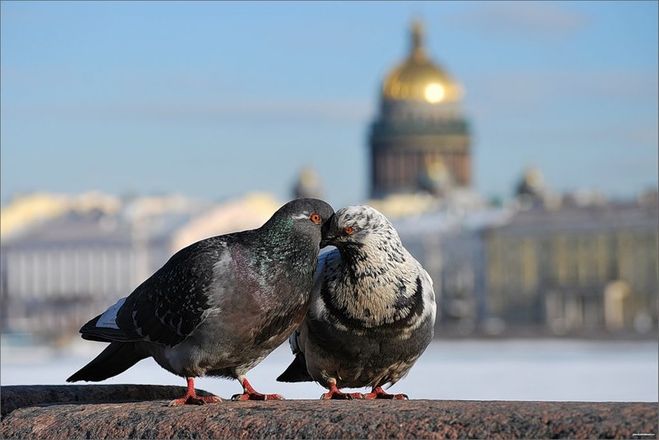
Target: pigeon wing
x,y
429,298
168,306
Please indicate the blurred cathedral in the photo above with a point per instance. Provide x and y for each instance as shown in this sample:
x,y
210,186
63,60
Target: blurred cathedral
x,y
557,263
420,140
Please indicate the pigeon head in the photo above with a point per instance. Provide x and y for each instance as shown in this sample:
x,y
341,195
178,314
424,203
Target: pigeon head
x,y
306,216
359,226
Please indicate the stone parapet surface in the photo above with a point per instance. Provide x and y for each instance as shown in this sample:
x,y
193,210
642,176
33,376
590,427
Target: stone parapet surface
x,y
141,411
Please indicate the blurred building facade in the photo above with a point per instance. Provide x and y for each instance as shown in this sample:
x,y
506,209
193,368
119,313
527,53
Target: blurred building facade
x,y
60,267
420,140
582,269
448,243
575,269
65,266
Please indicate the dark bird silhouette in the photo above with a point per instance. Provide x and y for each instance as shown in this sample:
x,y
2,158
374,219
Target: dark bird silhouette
x,y
218,306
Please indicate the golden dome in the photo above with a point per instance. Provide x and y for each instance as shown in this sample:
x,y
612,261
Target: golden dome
x,y
418,78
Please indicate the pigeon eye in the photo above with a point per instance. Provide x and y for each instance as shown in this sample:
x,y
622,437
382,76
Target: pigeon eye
x,y
348,230
315,218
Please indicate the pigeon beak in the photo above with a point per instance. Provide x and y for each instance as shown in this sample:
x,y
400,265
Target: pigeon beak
x,y
326,231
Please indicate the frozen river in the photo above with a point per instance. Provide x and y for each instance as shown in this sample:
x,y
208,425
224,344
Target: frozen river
x,y
480,370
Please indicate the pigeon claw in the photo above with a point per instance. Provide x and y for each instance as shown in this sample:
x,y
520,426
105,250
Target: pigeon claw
x,y
257,396
194,400
336,394
249,393
187,400
379,393
191,397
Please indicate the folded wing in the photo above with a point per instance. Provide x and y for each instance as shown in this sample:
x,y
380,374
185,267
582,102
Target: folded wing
x,y
168,306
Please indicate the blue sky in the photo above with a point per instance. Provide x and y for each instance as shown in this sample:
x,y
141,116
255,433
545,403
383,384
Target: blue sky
x,y
214,99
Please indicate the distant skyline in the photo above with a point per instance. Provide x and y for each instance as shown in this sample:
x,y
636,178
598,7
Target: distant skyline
x,y
215,99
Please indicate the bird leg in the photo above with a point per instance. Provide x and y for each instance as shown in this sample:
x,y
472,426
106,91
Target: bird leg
x,y
379,393
250,393
191,398
336,394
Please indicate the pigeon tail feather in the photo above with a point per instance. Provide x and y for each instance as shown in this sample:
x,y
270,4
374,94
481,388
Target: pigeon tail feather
x,y
115,359
296,371
92,332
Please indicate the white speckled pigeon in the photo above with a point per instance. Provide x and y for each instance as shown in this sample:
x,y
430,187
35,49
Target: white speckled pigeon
x,y
372,310
218,306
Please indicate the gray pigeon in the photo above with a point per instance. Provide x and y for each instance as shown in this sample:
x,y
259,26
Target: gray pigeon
x,y
372,310
218,306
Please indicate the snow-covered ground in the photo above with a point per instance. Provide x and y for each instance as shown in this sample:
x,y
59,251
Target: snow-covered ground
x,y
480,370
